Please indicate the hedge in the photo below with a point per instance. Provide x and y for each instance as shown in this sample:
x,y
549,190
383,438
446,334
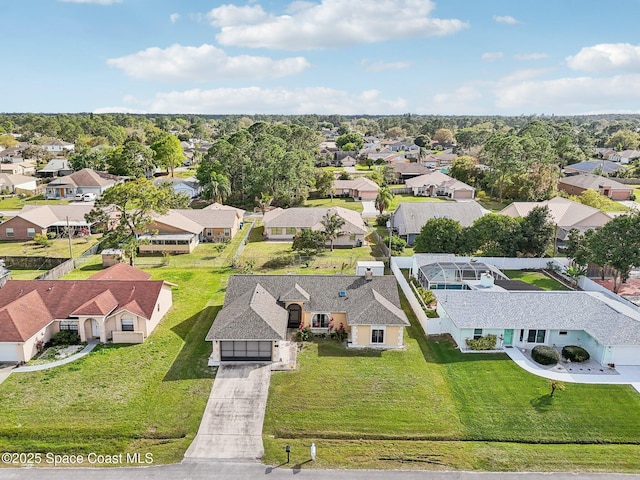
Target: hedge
x,y
545,355
574,353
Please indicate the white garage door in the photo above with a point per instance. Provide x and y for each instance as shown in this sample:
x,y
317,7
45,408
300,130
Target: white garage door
x,y
8,352
626,355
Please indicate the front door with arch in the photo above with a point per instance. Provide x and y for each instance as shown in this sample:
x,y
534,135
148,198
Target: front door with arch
x,y
95,328
295,315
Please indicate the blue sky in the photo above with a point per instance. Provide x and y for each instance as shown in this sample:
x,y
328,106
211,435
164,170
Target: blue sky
x,y
448,57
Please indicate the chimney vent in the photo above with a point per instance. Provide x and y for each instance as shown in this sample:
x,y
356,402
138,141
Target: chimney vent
x,y
368,275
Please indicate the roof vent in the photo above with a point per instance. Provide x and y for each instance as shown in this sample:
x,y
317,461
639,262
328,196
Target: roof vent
x,y
342,293
368,274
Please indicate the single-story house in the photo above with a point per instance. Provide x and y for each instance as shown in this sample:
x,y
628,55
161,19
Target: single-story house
x,y
57,167
625,156
117,309
11,183
189,186
11,154
405,171
83,181
439,160
437,184
19,168
57,146
181,230
170,233
607,329
42,219
566,214
577,184
591,166
360,188
259,309
284,224
409,218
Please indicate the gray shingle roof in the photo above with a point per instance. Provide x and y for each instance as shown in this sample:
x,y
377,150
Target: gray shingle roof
x,y
411,217
251,310
593,181
591,165
540,310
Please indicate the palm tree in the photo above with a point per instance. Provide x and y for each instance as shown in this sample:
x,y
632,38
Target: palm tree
x,y
332,224
383,200
264,202
218,188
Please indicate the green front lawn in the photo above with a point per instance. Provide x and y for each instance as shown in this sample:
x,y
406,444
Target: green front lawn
x,y
535,278
123,398
15,202
432,407
348,203
59,247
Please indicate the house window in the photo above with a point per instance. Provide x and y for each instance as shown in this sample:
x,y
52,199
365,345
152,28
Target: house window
x,y
227,232
31,232
536,336
352,237
291,230
477,333
563,332
127,324
69,325
320,320
209,232
8,232
276,231
377,335
521,334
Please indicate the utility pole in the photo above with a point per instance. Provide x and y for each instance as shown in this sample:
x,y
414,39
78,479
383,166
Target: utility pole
x,y
69,235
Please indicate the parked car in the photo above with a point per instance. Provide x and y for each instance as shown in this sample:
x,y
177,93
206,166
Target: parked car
x,y
89,197
79,197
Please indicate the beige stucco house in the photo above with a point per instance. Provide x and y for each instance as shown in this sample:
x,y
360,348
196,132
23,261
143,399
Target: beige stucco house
x,y
120,304
437,184
360,188
259,309
284,224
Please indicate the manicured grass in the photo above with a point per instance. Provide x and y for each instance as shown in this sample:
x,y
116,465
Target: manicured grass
x,y
59,247
431,406
491,204
278,258
349,203
123,398
26,274
14,202
535,278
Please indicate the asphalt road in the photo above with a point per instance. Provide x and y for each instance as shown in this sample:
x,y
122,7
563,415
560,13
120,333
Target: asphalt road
x,y
249,471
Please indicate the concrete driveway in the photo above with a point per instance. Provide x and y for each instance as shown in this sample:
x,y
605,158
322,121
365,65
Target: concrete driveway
x,y
231,427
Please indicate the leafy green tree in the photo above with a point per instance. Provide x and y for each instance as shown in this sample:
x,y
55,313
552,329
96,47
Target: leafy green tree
x,y
443,135
388,174
8,141
465,169
537,232
624,140
397,244
591,198
439,235
168,152
423,140
494,235
133,159
350,138
218,188
383,200
575,272
309,242
323,181
332,224
264,202
135,204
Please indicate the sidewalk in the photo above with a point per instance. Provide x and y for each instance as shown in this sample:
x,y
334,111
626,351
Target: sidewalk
x,y
69,359
629,375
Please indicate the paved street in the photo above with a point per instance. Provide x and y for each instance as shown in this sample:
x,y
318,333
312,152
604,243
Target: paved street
x,y
233,471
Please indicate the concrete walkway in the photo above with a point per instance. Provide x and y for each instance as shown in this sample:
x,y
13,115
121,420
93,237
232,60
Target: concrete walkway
x,y
57,363
5,371
629,375
231,427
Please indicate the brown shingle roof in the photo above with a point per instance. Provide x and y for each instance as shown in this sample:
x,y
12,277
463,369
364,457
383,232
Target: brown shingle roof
x,y
120,271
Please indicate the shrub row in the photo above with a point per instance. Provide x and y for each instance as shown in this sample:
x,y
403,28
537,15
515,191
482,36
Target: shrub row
x,y
482,343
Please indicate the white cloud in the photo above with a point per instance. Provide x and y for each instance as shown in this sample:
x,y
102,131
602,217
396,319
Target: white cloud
x,y
118,110
97,2
530,56
508,19
320,100
492,56
329,24
571,95
606,57
380,66
203,63
174,17
524,74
